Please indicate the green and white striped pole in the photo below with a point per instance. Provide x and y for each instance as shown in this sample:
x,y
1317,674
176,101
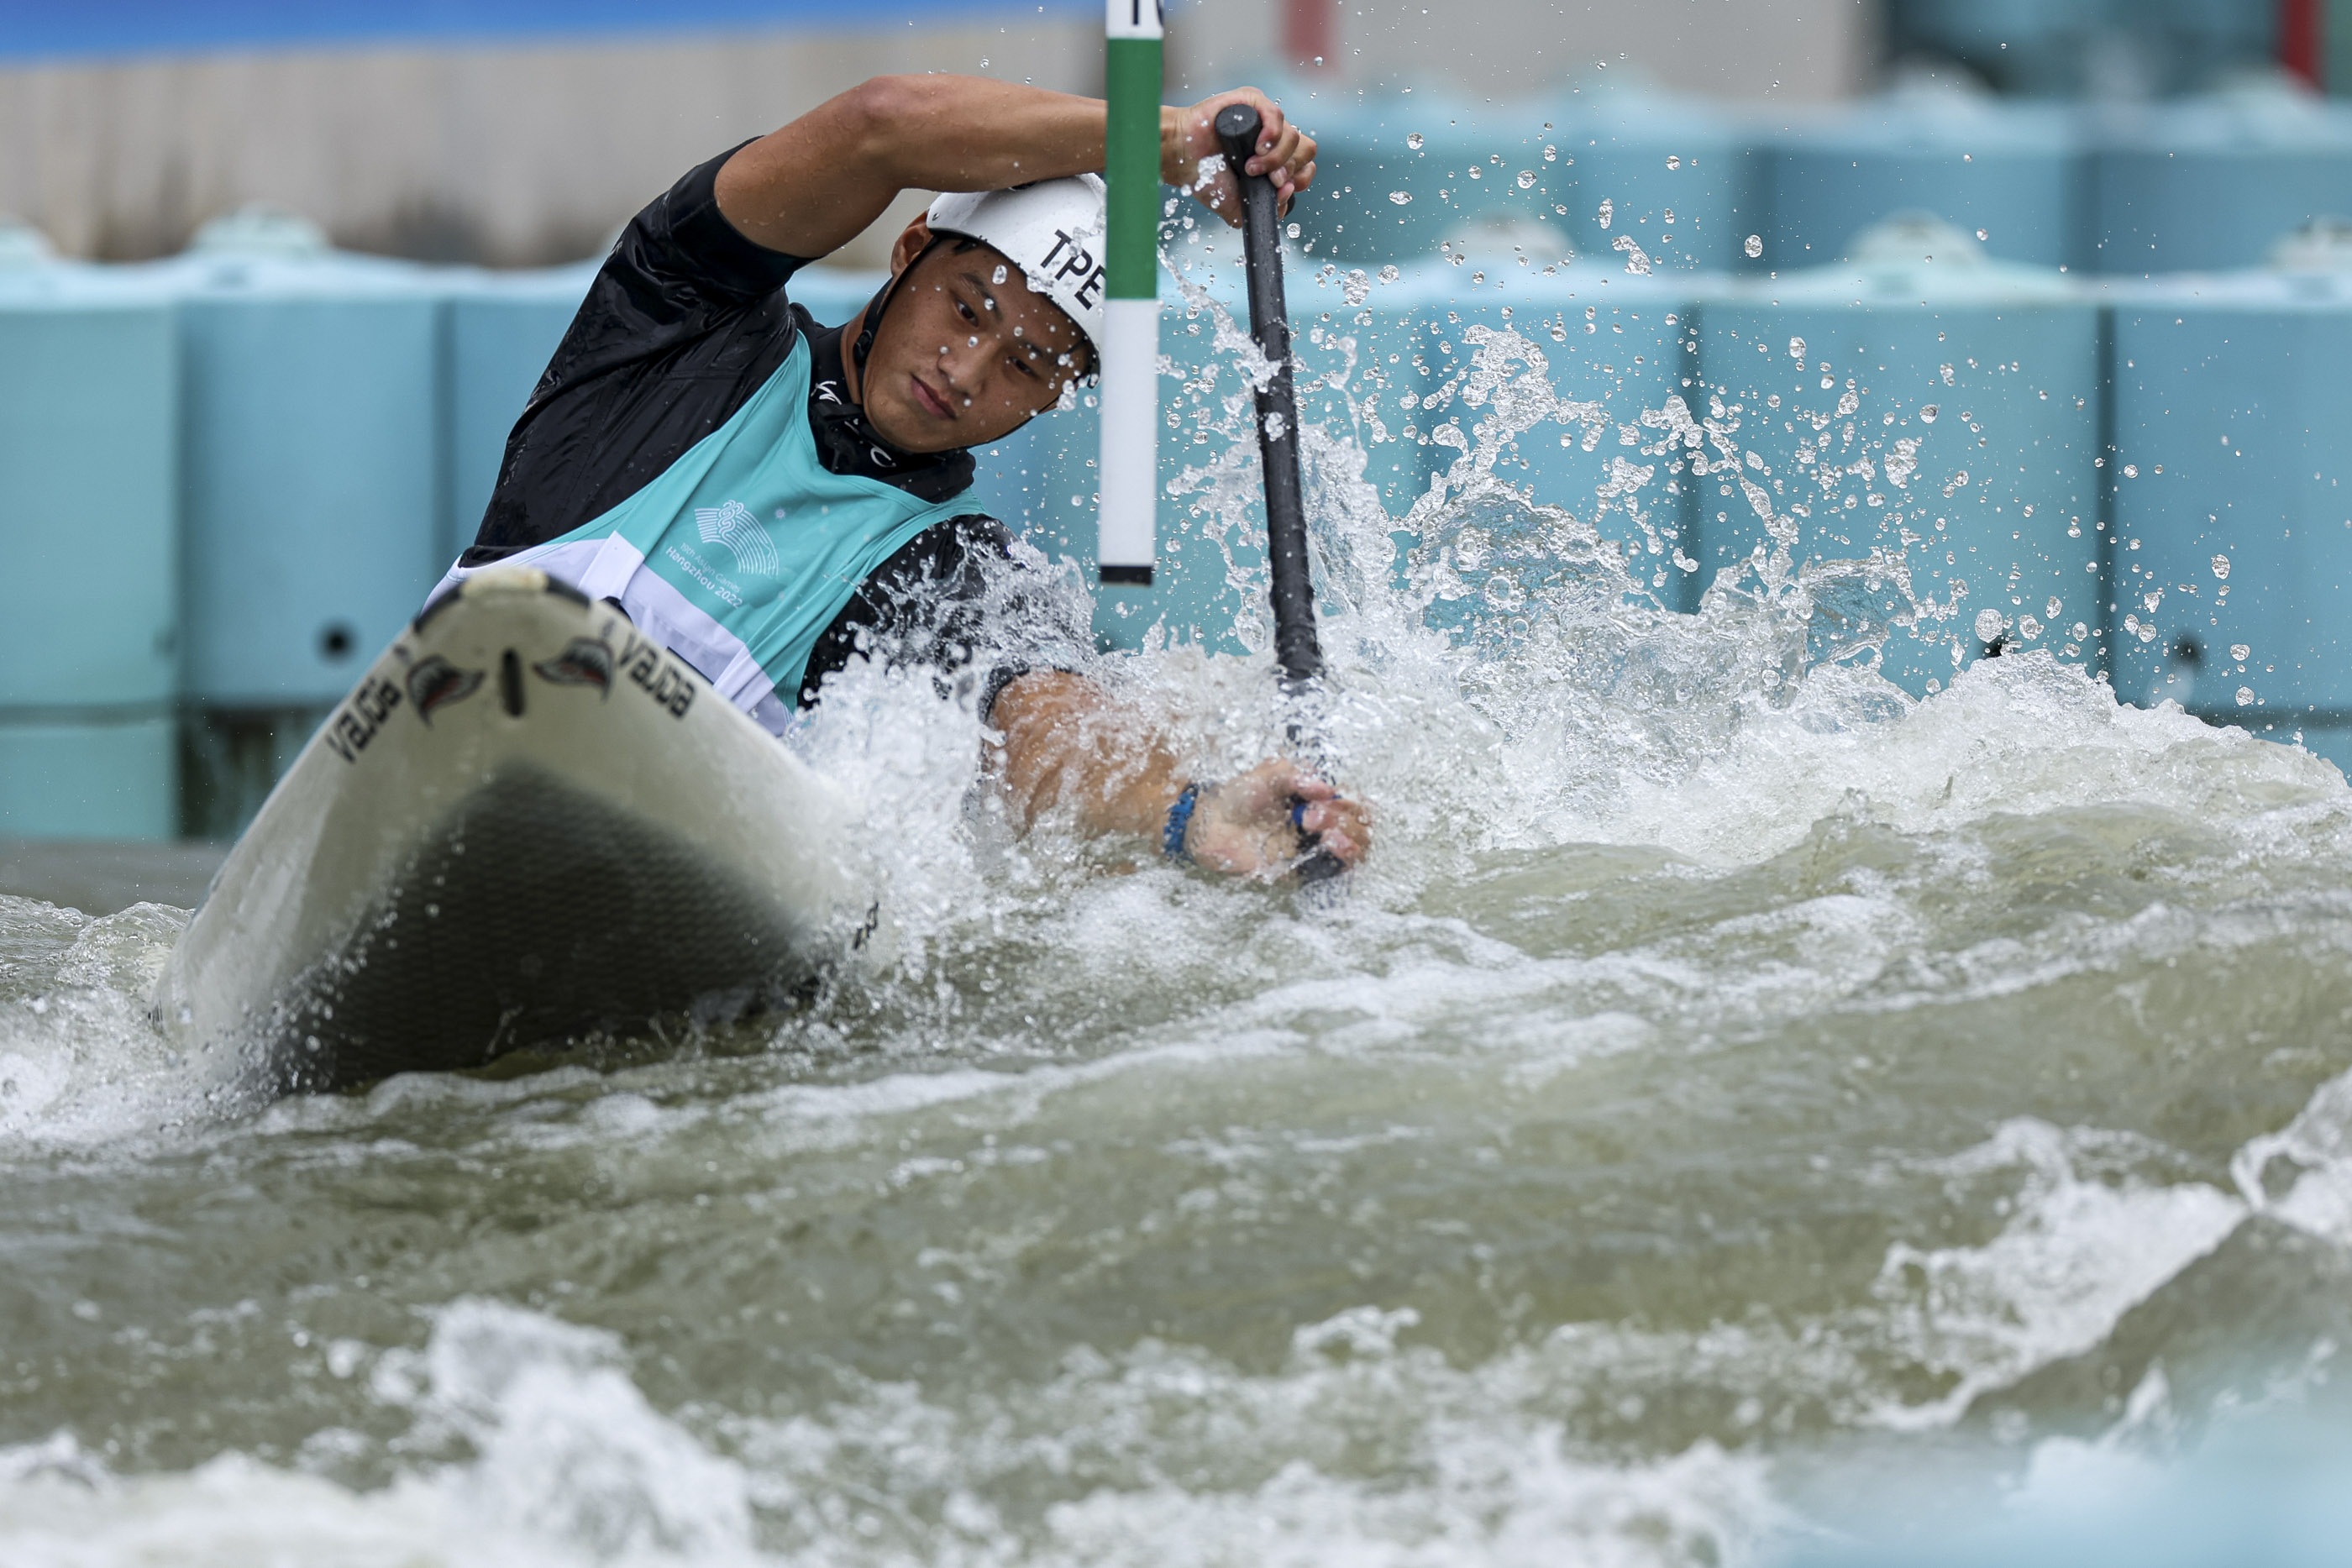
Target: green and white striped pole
x,y
1124,545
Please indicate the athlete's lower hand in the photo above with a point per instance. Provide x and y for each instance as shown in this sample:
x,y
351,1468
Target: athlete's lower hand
x,y
1251,825
1187,136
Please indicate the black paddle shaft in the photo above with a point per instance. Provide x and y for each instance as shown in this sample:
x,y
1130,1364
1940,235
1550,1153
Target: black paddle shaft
x,y
1295,651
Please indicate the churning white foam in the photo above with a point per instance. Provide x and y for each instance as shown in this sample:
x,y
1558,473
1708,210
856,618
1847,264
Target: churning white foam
x,y
556,1459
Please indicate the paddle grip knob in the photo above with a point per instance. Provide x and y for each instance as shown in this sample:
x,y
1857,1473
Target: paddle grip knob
x,y
1237,127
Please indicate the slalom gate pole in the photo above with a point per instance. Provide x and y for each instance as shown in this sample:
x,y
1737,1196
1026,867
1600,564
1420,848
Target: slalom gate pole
x,y
1297,653
1124,544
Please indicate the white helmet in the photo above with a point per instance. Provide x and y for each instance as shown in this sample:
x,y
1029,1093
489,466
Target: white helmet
x,y
1053,231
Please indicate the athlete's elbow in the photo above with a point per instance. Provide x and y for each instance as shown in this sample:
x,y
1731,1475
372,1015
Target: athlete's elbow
x,y
886,114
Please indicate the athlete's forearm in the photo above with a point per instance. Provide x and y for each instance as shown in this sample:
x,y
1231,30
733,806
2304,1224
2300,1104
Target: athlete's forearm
x,y
972,133
1070,746
813,186
815,183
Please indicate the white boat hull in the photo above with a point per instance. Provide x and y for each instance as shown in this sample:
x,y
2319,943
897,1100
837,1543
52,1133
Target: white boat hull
x,y
527,824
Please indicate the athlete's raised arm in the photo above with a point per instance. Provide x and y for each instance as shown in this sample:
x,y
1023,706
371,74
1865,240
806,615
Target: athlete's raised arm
x,y
810,188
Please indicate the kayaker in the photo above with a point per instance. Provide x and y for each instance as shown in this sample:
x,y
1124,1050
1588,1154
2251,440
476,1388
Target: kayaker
x,y
773,496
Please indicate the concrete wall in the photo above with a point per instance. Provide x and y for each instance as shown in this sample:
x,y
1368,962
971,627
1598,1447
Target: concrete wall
x,y
511,156
534,154
1755,51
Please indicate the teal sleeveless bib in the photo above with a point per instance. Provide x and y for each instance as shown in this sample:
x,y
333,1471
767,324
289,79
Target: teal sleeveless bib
x,y
741,554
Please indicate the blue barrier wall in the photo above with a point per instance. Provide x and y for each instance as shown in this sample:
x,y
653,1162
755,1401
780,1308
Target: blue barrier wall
x,y
2233,503
2212,183
2017,173
313,488
1681,177
1572,360
2200,182
2054,47
1679,180
1943,414
89,465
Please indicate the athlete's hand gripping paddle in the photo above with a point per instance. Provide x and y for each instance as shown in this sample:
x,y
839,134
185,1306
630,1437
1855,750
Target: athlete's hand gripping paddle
x,y
1296,653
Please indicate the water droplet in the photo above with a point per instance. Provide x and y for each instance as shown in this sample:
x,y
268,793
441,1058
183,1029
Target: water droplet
x,y
2221,566
1672,161
1989,624
1413,141
2053,607
1755,246
2246,697
1608,208
1477,278
1558,333
1292,231
1981,234
1389,275
1551,154
2240,652
1527,178
2131,470
1401,198
1797,349
1927,414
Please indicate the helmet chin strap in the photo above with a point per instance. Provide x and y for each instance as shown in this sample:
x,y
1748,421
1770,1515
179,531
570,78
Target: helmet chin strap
x,y
864,346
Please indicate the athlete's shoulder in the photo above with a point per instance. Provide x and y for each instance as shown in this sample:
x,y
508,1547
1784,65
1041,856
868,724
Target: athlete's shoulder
x,y
682,244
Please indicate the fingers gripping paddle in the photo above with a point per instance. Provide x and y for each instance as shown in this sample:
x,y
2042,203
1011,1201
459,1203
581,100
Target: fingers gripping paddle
x,y
1296,653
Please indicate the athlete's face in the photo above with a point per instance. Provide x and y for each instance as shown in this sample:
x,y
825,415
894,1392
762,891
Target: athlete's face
x,y
966,353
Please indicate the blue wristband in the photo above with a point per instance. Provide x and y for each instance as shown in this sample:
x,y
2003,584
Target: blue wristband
x,y
1179,820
